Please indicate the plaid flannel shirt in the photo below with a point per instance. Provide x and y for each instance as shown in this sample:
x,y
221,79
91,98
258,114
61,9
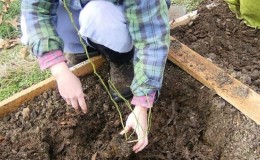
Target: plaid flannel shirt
x,y
148,25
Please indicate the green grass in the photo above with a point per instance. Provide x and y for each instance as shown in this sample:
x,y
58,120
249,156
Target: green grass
x,y
7,31
190,4
17,73
19,80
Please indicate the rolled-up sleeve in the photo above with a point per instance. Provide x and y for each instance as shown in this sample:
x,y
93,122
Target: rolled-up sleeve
x,y
149,27
40,18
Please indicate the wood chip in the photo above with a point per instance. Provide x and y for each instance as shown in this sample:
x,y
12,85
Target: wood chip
x,y
25,112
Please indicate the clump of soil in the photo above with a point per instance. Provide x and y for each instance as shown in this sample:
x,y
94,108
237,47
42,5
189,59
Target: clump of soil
x,y
188,122
117,148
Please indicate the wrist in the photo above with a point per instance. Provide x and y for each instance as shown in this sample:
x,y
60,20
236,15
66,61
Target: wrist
x,y
140,109
59,68
144,101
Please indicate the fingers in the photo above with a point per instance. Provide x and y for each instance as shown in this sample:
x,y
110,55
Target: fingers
x,y
142,140
77,103
68,101
138,122
125,130
142,143
82,104
74,103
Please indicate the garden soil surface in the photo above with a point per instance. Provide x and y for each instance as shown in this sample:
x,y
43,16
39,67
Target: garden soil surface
x,y
188,122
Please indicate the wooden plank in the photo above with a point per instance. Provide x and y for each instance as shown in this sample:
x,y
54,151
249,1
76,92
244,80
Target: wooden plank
x,y
233,91
12,103
184,20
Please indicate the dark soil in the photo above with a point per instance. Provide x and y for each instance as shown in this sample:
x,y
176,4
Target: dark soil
x,y
188,122
226,41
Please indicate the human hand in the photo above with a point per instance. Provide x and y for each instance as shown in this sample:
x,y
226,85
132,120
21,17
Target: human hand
x,y
69,86
137,120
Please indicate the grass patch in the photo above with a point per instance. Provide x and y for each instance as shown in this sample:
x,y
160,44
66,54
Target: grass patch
x,y
17,73
7,31
19,80
190,4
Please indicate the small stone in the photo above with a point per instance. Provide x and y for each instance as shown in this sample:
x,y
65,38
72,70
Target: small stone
x,y
106,107
45,95
26,113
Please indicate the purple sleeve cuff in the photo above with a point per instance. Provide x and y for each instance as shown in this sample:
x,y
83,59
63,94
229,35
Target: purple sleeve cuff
x,y
51,58
144,101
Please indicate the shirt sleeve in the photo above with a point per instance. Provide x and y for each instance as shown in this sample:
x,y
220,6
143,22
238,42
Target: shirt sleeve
x,y
51,58
148,24
144,101
40,18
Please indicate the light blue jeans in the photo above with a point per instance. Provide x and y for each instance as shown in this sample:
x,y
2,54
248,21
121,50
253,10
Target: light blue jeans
x,y
101,21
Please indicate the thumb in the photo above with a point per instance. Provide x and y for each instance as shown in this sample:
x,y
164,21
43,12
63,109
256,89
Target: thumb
x,y
125,130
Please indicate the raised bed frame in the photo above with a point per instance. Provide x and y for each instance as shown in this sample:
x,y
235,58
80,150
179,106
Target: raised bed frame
x,y
182,56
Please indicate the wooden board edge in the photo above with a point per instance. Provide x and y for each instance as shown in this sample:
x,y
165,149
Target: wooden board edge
x,y
249,106
12,103
183,20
